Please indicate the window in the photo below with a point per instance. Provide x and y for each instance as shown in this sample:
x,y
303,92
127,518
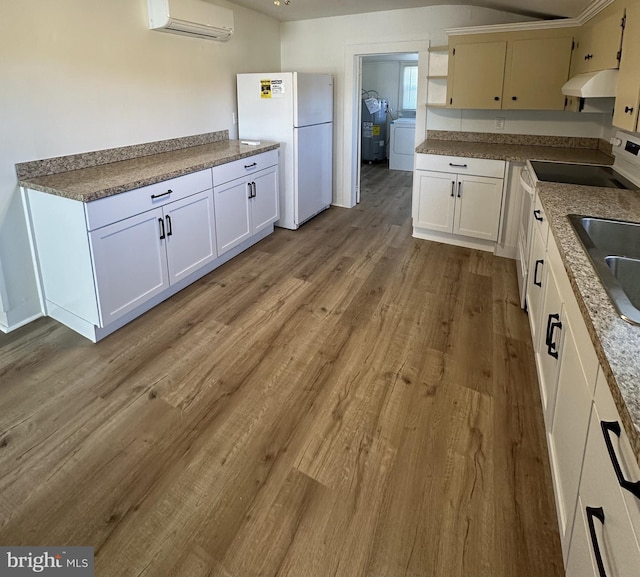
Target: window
x,y
409,86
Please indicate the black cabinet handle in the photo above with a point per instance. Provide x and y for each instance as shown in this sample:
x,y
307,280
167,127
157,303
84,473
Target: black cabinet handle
x,y
496,98
535,273
538,215
453,188
553,323
459,165
598,513
253,189
153,196
248,166
614,427
514,98
459,189
628,109
250,190
169,225
162,234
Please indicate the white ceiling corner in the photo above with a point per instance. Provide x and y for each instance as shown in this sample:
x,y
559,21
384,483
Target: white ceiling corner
x,y
310,9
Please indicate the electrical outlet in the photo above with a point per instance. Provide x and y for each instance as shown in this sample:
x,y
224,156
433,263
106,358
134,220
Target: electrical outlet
x,y
499,123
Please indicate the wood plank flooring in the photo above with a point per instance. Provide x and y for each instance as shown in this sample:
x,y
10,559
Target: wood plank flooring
x,y
343,400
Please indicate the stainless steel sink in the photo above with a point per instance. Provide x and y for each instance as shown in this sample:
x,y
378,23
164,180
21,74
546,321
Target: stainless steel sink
x,y
616,237
614,249
627,272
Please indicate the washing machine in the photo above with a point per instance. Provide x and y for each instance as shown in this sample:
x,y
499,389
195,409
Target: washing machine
x,y
402,144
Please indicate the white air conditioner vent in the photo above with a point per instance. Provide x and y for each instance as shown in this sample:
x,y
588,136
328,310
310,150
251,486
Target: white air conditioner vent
x,y
191,18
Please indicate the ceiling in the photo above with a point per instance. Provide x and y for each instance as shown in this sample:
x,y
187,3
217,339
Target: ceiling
x,y
308,9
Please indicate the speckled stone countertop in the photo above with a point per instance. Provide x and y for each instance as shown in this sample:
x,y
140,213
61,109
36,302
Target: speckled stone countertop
x,y
617,343
95,182
513,152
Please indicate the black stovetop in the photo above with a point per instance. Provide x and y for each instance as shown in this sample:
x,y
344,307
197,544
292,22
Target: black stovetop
x,y
583,174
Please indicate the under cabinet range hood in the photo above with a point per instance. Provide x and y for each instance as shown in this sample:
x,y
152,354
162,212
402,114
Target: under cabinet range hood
x,y
191,18
600,84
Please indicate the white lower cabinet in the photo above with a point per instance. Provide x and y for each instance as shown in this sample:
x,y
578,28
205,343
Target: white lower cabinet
x,y
245,205
548,341
604,541
536,283
463,202
130,264
139,257
477,209
464,205
568,432
598,520
102,263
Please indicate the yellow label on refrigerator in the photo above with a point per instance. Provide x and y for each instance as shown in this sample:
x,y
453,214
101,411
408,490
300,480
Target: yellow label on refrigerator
x,y
265,89
376,130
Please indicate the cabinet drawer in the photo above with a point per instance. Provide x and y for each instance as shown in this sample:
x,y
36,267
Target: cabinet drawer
x,y
239,168
540,221
623,453
461,165
114,208
613,534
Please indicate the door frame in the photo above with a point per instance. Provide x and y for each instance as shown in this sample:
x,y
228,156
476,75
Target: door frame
x,y
351,106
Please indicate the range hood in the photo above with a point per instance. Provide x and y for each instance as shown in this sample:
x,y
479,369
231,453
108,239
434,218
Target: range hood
x,y
600,84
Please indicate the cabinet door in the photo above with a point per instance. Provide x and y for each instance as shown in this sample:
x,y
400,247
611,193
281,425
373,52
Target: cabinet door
x,y
130,263
581,561
477,211
614,537
579,58
436,200
598,42
625,115
569,428
264,204
536,69
190,234
547,351
605,41
232,213
478,75
536,282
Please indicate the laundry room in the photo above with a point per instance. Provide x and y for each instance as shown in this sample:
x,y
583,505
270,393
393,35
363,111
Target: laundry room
x,y
388,110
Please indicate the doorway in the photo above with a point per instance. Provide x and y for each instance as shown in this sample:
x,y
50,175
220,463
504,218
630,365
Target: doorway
x,y
388,110
353,104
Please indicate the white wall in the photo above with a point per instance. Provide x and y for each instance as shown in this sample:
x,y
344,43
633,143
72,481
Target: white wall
x,y
322,45
82,75
551,123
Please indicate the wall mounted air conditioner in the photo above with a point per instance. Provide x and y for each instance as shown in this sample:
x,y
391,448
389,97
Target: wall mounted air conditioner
x,y
192,18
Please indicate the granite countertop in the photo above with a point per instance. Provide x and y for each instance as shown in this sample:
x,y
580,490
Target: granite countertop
x,y
95,182
513,152
617,342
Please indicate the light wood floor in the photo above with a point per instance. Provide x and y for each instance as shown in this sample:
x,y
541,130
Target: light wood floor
x,y
343,400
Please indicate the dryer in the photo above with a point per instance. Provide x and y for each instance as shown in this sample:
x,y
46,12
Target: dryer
x,y
402,144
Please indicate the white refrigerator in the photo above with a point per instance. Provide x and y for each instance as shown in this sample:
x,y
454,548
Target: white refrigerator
x,y
296,110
